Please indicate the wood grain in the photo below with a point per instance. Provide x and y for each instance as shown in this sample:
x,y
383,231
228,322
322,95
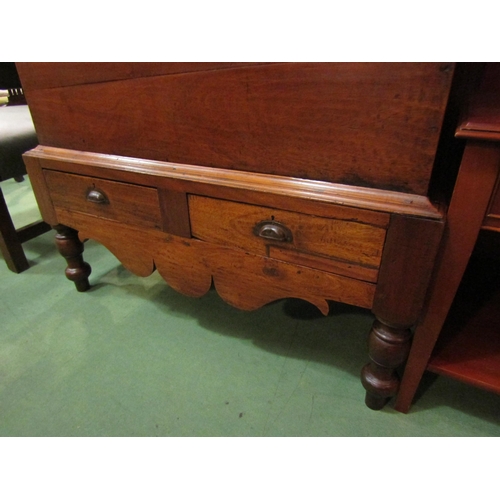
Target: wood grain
x,y
43,75
127,203
175,212
473,189
329,265
341,152
232,224
71,248
310,196
407,263
242,279
40,189
473,197
365,124
248,282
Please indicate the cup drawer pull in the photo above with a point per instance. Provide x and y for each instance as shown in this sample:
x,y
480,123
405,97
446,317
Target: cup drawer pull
x,y
96,196
272,230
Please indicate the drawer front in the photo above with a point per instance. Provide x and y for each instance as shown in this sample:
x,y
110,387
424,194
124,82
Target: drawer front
x,y
344,247
118,201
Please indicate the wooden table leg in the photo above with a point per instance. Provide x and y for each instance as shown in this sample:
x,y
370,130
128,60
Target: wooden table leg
x,y
388,349
473,189
10,244
409,253
71,248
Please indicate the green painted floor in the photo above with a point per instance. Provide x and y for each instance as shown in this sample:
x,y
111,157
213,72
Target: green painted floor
x,y
132,357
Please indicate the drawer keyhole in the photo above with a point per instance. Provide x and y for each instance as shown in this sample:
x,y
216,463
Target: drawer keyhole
x,y
272,230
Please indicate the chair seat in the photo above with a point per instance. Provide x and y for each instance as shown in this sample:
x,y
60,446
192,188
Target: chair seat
x,y
17,135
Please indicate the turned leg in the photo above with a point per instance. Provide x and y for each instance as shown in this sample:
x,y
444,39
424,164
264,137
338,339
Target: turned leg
x,y
388,349
407,261
71,248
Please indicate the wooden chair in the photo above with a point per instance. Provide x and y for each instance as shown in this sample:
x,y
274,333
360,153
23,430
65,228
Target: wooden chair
x,y
17,135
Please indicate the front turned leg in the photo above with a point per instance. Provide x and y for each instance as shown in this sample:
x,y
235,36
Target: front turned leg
x,y
388,349
71,248
410,250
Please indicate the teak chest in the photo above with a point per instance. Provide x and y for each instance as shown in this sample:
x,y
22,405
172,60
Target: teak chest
x,y
273,180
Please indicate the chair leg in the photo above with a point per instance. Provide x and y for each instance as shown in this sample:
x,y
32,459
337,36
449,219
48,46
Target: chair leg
x,y
10,245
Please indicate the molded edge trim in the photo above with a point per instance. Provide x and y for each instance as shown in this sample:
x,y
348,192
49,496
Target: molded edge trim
x,y
321,191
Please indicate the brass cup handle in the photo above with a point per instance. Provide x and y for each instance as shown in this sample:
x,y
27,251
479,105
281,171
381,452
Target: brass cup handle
x,y
96,196
272,230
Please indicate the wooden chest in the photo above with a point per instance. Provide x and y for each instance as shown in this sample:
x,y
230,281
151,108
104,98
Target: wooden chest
x,y
268,180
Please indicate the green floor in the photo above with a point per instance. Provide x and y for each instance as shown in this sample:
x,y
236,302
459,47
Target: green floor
x,y
131,357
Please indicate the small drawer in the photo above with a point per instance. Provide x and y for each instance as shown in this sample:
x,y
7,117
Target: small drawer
x,y
118,201
340,246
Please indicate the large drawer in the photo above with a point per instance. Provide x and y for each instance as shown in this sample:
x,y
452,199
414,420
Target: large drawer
x,y
118,201
341,246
